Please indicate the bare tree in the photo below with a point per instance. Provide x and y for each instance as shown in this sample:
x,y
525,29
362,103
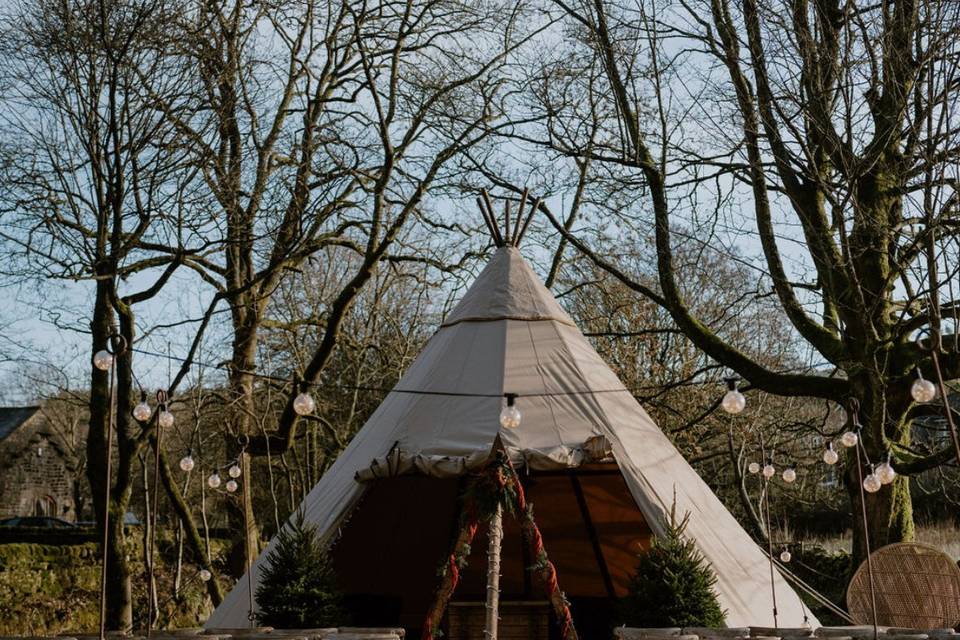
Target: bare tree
x,y
832,124
94,176
325,124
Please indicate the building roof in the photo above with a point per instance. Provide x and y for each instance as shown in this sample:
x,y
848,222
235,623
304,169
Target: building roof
x,y
12,417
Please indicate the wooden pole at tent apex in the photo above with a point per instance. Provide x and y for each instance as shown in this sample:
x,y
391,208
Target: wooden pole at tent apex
x,y
511,234
495,540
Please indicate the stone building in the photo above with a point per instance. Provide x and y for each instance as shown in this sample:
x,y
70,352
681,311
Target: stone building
x,y
38,471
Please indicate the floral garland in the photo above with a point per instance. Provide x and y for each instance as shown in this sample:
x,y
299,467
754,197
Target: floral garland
x,y
497,483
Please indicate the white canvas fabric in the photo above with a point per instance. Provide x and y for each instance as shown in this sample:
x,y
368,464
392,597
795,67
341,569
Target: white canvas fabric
x,y
509,335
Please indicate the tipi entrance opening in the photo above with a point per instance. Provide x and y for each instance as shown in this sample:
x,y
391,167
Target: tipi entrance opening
x,y
392,544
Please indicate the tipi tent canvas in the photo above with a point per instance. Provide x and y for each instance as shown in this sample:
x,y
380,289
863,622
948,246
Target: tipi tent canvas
x,y
389,502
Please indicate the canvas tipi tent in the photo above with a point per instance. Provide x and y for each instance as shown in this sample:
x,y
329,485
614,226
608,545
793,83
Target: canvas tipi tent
x,y
390,500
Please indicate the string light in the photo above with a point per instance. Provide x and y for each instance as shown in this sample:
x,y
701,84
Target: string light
x,y
187,463
830,455
871,483
304,404
234,471
886,472
789,475
214,480
733,401
785,555
205,575
165,419
232,485
510,415
923,390
753,467
142,410
769,470
849,439
103,360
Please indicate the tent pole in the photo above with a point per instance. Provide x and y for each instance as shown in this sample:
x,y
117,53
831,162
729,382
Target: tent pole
x,y
495,540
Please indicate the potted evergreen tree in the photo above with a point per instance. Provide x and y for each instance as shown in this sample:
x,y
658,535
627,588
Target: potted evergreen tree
x,y
298,587
673,584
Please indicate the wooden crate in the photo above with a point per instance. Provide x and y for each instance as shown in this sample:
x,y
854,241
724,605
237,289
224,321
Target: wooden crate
x,y
519,620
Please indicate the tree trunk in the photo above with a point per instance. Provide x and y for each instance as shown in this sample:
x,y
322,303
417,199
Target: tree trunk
x,y
119,611
242,520
889,514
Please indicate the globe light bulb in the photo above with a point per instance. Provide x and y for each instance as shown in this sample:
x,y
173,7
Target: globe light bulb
x,y
510,415
753,467
830,456
871,483
186,463
886,473
733,402
165,419
102,360
214,480
142,411
923,390
232,485
205,575
849,439
785,556
234,471
303,404
768,471
789,475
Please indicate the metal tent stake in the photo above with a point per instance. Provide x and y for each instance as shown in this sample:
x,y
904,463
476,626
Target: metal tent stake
x,y
766,508
153,607
854,415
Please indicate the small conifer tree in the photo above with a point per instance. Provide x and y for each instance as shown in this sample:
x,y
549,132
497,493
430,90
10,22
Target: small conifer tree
x,y
673,584
298,588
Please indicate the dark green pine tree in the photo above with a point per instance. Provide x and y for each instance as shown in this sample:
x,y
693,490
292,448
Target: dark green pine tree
x,y
298,588
673,584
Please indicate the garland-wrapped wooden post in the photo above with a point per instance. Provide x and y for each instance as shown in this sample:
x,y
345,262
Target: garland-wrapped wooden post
x,y
495,488
495,537
450,571
543,567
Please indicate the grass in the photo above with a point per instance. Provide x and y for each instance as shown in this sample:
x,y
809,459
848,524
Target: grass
x,y
942,536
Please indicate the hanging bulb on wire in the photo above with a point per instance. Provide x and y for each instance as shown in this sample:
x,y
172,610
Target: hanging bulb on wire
x,y
165,419
142,410
205,575
103,360
769,470
187,463
304,403
733,401
871,483
923,390
510,415
214,480
232,485
234,471
885,471
789,475
830,455
849,439
753,467
785,555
